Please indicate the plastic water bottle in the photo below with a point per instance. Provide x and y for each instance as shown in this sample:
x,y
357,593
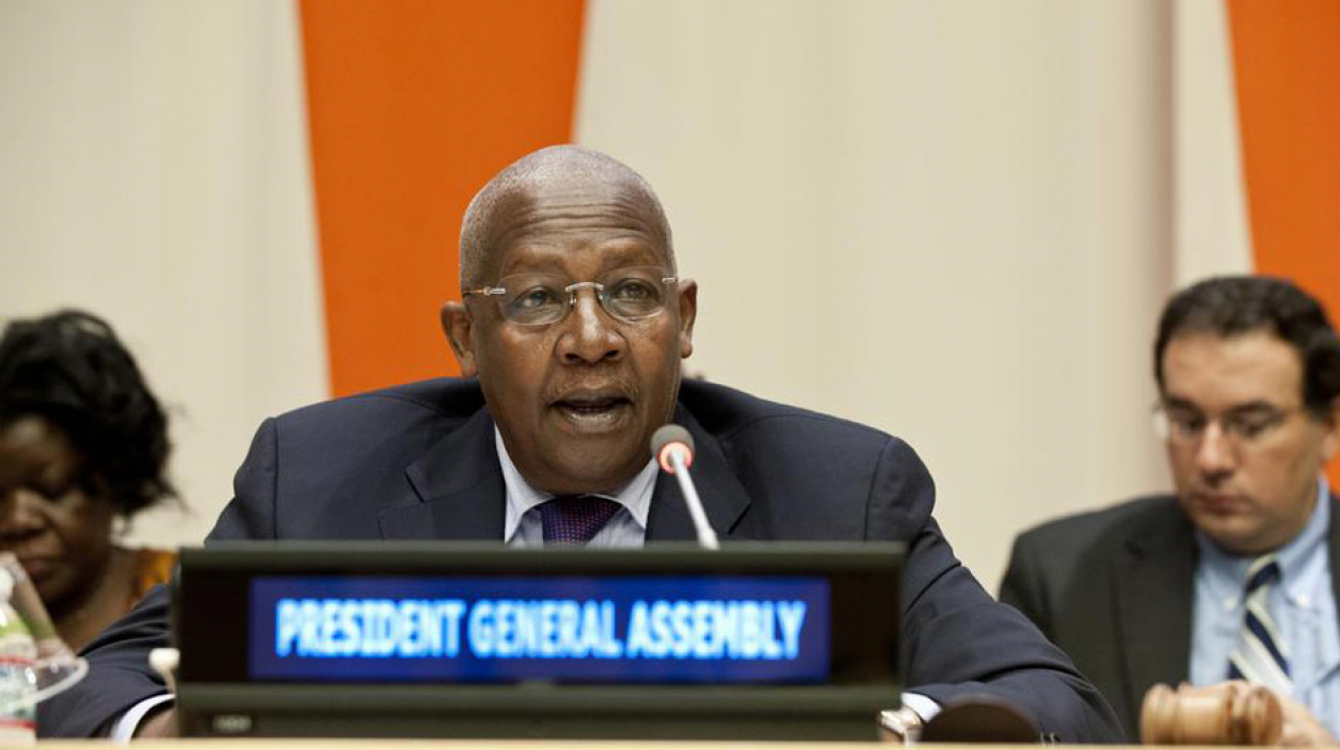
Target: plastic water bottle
x,y
18,687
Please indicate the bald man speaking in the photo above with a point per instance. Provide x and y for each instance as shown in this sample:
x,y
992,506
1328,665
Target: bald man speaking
x,y
571,328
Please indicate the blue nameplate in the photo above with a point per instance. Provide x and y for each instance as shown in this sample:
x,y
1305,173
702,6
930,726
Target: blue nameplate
x,y
682,629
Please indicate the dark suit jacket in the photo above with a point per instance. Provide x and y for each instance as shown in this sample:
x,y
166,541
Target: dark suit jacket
x,y
419,461
1115,589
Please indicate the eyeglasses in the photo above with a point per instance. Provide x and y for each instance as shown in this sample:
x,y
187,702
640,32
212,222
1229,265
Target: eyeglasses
x,y
1244,426
629,294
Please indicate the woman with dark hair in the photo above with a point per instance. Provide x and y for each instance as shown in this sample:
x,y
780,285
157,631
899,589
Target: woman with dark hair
x,y
82,443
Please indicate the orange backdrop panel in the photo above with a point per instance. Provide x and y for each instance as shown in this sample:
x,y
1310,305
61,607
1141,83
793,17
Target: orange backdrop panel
x,y
1286,57
412,105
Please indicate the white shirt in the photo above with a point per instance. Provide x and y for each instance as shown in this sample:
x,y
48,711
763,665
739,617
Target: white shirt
x,y
522,526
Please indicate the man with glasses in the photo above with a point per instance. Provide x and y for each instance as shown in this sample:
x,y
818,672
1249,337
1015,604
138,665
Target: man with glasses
x,y
570,332
1231,577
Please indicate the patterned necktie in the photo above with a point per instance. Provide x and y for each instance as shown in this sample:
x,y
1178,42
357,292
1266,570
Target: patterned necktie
x,y
575,519
1260,657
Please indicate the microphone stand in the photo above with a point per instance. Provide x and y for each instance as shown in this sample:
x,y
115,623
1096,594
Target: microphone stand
x,y
707,538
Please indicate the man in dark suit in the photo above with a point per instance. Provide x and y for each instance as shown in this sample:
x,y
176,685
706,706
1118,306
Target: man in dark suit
x,y
570,334
1161,589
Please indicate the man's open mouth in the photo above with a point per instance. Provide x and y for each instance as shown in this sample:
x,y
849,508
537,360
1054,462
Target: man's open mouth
x,y
593,410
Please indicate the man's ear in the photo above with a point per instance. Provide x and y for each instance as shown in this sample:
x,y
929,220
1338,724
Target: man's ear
x,y
1331,423
459,327
688,313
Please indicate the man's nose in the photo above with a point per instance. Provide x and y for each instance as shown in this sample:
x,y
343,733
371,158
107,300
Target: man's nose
x,y
1215,453
590,335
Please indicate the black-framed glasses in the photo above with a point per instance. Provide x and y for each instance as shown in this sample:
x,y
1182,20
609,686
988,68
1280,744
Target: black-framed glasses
x,y
1241,427
629,294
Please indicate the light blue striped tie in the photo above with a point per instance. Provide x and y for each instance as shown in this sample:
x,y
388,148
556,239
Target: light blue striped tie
x,y
1260,657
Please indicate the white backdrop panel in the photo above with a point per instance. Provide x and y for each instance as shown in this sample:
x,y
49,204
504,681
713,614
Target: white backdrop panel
x,y
155,171
949,220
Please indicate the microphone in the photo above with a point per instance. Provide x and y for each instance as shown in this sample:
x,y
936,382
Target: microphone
x,y
672,446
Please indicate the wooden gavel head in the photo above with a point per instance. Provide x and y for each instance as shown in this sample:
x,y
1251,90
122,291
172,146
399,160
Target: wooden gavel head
x,y
1223,714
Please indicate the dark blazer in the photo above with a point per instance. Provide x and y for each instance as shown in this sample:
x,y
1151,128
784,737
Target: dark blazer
x,y
419,461
1115,589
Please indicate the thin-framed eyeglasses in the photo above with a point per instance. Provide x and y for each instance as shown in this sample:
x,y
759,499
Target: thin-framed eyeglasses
x,y
1243,426
629,294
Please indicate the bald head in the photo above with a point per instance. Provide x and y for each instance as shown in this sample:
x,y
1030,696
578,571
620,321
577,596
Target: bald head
x,y
490,218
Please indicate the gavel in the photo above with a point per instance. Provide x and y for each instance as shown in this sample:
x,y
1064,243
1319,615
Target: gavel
x,y
1224,714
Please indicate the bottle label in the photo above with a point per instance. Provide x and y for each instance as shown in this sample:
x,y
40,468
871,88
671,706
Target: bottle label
x,y
18,653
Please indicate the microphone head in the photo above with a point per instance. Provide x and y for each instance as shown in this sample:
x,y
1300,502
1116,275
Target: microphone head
x,y
670,437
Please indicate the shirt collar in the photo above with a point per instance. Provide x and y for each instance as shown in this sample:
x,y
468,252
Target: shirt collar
x,y
1228,573
1294,555
635,496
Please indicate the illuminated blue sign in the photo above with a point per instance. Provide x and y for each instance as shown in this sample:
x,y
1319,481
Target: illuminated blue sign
x,y
575,629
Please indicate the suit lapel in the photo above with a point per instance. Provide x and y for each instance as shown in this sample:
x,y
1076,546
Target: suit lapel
x,y
1154,601
724,498
460,487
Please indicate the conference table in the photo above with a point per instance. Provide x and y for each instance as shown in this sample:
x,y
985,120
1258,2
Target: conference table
x,y
419,744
